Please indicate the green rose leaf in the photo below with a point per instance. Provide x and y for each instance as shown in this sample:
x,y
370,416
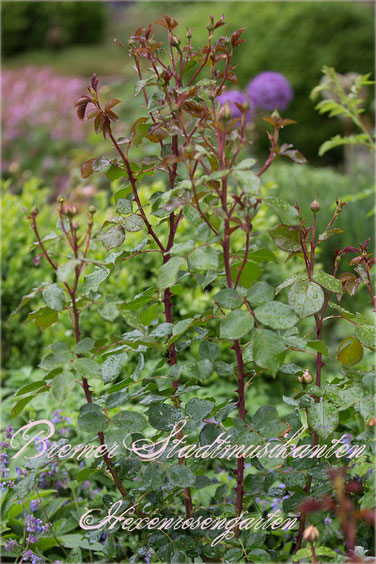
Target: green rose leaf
x,y
286,238
318,346
192,215
328,282
260,293
263,255
93,281
250,272
130,421
305,298
181,477
123,205
236,324
198,409
168,273
53,297
228,298
43,317
208,350
248,180
87,367
366,335
153,476
287,213
65,270
203,258
84,346
350,351
115,172
276,315
114,237
163,417
268,350
62,385
182,248
323,417
91,419
133,223
343,398
290,281
112,366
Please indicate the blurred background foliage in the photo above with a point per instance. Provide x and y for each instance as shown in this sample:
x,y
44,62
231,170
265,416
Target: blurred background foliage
x,y
50,49
293,38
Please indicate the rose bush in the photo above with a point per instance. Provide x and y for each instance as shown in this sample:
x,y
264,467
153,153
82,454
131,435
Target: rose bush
x,y
213,319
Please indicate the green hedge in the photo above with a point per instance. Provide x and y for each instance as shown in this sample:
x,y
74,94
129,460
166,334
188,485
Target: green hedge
x,y
36,25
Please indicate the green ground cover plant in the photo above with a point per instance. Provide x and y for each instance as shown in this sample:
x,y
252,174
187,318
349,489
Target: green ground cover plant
x,y
171,316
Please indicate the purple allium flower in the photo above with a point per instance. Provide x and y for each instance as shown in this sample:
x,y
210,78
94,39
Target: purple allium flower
x,y
10,545
232,97
269,90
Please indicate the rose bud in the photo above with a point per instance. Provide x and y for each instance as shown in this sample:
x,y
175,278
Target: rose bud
x,y
311,534
71,211
315,205
307,377
92,210
175,41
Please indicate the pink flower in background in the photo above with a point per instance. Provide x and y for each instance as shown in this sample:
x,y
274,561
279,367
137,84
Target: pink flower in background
x,y
37,98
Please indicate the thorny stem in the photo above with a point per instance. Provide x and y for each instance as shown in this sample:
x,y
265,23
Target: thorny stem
x,y
310,263
167,294
244,259
77,333
135,193
226,257
370,288
272,154
173,223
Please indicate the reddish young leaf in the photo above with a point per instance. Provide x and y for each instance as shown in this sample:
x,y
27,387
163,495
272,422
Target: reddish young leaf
x,y
87,168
